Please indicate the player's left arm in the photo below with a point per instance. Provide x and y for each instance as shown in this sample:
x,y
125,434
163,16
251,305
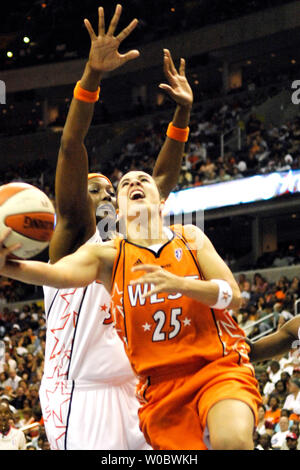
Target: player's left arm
x,y
88,263
168,164
212,267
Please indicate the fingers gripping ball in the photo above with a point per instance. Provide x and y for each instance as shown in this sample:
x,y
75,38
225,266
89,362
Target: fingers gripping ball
x,y
30,214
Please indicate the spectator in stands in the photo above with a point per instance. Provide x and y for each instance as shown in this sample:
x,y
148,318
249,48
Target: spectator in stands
x,y
27,417
294,428
292,441
263,310
283,413
273,410
294,288
244,321
280,290
10,438
259,285
274,371
19,398
13,380
267,386
280,392
40,441
246,290
285,377
264,442
260,428
241,281
291,363
33,395
283,315
292,401
3,378
279,437
296,372
10,361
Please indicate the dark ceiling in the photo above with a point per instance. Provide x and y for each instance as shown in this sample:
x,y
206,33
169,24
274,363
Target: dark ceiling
x,y
55,29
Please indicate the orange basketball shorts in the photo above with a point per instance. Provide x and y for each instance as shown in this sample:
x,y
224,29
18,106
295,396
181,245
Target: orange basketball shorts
x,y
174,417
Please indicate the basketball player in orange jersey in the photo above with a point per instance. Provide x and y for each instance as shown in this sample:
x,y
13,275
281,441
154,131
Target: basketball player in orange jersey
x,y
85,362
196,384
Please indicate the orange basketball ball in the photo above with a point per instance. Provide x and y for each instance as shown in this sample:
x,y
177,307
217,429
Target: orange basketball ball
x,y
30,214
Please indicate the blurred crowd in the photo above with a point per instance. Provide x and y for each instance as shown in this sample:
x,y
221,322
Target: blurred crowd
x,y
22,346
266,306
250,147
262,149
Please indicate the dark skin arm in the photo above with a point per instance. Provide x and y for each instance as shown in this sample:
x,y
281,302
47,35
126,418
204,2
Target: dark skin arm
x,y
278,343
76,221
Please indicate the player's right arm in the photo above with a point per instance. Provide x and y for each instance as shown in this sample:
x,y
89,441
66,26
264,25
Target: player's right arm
x,y
87,264
278,343
76,221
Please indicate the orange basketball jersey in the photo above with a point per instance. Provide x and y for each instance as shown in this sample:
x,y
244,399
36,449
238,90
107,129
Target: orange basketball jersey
x,y
165,332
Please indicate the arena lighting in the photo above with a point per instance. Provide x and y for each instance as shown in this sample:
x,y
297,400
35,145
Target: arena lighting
x,y
26,39
9,54
232,193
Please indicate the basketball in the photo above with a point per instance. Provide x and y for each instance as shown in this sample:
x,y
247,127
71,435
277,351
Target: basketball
x,y
30,214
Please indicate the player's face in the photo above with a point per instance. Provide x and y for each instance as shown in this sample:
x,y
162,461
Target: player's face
x,y
135,190
103,196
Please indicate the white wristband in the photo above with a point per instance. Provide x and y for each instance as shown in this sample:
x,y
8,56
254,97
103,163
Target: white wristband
x,y
225,294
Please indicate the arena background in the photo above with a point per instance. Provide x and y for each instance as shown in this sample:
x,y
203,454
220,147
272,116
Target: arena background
x,y
243,63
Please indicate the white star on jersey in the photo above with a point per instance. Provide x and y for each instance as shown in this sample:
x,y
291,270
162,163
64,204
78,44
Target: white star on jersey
x,y
187,322
146,327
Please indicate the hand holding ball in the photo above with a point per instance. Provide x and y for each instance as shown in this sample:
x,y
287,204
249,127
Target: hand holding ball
x,y
30,214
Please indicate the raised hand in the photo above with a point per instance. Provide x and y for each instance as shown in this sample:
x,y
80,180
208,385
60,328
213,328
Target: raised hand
x,y
104,55
6,250
178,87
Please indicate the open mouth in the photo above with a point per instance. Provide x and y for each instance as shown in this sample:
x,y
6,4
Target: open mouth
x,y
136,194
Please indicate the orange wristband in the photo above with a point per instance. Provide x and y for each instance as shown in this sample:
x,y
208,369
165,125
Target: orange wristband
x,y
84,95
177,133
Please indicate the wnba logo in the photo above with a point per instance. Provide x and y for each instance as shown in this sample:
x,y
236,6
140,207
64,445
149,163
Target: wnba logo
x,y
2,92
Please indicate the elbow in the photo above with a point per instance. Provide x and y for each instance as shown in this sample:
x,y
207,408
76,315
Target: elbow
x,y
236,301
69,144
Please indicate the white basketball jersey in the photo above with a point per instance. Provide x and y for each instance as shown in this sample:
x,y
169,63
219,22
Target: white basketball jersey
x,y
81,343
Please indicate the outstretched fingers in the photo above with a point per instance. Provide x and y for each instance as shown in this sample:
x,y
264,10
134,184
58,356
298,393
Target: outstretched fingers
x,y
6,250
168,62
90,30
182,67
128,30
101,22
133,54
115,20
4,235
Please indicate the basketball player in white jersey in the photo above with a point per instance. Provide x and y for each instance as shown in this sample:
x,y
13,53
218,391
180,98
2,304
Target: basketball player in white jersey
x,y
88,388
278,343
